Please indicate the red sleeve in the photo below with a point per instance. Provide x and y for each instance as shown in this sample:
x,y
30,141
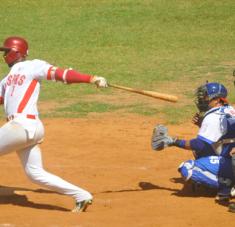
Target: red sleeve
x,y
71,76
1,100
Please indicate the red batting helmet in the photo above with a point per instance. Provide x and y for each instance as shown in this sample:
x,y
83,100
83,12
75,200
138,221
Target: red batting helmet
x,y
14,48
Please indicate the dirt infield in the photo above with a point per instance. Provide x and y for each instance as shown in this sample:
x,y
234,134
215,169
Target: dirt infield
x,y
110,156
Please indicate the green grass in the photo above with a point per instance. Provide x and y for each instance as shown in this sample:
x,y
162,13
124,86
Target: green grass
x,y
138,43
179,115
143,110
81,109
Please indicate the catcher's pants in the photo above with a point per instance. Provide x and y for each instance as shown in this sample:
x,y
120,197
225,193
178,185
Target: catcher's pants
x,y
14,137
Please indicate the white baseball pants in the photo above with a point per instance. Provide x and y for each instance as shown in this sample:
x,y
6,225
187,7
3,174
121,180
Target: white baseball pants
x,y
14,137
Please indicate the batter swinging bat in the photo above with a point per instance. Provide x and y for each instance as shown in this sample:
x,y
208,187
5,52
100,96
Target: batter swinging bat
x,y
154,94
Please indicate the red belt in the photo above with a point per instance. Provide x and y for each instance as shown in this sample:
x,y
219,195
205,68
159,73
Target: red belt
x,y
30,116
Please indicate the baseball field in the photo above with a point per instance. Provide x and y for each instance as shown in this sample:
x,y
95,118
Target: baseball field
x,y
99,139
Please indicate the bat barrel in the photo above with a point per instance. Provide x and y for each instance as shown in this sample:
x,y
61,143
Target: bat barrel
x,y
154,94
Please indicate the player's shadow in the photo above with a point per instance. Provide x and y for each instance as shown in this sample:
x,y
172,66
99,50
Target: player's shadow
x,y
143,186
15,196
191,189
188,189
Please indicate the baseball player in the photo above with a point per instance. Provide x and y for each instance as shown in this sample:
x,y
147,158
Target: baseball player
x,y
23,131
216,133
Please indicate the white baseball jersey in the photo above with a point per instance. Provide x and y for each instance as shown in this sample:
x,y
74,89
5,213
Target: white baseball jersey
x,y
20,88
214,125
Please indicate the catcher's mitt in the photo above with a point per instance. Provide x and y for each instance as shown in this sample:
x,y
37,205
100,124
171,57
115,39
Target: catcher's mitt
x,y
197,119
160,138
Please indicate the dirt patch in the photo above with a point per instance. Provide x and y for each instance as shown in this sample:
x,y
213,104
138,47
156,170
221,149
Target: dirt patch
x,y
109,155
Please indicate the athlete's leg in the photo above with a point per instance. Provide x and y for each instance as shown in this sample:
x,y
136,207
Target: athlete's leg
x,y
232,153
32,162
225,179
196,173
13,136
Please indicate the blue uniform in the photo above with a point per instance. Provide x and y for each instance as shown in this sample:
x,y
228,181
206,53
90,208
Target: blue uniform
x,y
217,137
205,170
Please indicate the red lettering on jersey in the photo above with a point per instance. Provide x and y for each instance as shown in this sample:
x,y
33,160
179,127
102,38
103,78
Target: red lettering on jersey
x,y
9,79
21,80
15,80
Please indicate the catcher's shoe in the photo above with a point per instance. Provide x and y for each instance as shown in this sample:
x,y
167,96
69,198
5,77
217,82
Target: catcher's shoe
x,y
222,198
231,207
232,192
82,206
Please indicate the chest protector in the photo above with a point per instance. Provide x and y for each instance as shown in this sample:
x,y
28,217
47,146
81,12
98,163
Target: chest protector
x,y
227,141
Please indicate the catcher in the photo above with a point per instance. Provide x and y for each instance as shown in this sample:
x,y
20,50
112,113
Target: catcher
x,y
216,132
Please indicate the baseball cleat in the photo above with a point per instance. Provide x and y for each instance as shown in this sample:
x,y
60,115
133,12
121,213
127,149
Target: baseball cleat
x,y
231,207
222,198
82,206
232,192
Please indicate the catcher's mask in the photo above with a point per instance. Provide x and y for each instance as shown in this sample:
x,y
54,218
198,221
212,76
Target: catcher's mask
x,y
14,49
207,92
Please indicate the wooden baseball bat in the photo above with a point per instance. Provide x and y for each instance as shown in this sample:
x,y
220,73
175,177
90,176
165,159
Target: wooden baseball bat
x,y
153,94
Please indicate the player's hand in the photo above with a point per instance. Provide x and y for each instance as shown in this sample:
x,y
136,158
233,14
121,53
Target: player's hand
x,y
197,119
99,81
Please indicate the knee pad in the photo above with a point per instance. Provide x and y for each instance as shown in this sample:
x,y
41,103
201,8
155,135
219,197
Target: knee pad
x,y
186,169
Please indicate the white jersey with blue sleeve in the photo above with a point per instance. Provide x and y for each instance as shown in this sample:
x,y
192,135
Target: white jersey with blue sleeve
x,y
214,124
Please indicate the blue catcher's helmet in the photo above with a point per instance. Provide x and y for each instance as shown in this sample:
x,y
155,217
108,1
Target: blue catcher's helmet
x,y
216,90
207,92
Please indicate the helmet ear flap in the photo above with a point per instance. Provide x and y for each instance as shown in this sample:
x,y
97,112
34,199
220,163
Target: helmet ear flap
x,y
11,57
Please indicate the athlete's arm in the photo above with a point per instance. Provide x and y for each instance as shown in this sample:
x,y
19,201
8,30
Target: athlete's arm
x,y
197,145
67,75
209,133
2,91
193,144
44,70
1,100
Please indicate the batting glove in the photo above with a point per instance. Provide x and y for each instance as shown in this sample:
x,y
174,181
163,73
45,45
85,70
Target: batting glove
x,y
99,81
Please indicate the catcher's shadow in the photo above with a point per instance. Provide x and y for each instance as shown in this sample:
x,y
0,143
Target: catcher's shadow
x,y
188,189
143,186
15,196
